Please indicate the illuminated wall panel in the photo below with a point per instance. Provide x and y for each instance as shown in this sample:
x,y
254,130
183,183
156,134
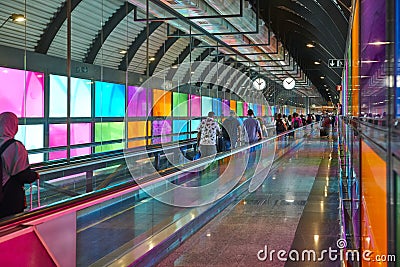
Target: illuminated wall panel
x,y
206,105
106,131
161,127
26,100
137,129
239,108
374,201
162,103
32,137
138,101
225,107
80,134
245,108
233,105
180,126
109,99
195,106
255,109
81,98
180,104
217,106
194,127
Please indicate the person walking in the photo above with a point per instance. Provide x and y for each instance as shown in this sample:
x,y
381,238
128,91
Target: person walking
x,y
207,136
252,128
231,131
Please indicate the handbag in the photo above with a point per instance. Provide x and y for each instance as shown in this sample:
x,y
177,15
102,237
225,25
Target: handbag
x,y
2,149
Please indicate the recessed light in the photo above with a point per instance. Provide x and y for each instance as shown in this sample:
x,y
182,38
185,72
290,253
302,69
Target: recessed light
x,y
123,52
322,77
310,45
17,17
379,43
317,63
174,66
152,59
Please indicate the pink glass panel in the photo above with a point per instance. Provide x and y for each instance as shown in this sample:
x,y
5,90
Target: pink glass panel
x,y
80,134
195,106
26,100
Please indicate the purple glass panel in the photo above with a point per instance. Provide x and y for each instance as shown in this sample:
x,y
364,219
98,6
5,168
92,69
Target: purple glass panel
x,y
372,70
225,107
26,99
137,101
161,127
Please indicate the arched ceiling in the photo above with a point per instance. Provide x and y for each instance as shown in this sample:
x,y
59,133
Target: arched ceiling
x,y
323,23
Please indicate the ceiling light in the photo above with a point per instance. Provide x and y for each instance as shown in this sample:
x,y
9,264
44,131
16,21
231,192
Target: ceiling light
x,y
152,59
310,45
369,61
17,17
327,89
123,52
174,66
14,18
379,43
325,85
322,77
317,63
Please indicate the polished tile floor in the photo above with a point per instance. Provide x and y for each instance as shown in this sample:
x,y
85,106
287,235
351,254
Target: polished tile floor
x,y
296,208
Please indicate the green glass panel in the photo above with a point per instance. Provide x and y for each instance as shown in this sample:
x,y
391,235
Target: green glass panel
x,y
180,105
107,131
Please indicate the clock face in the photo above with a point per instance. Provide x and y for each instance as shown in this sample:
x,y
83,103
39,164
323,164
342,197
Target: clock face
x,y
259,84
289,83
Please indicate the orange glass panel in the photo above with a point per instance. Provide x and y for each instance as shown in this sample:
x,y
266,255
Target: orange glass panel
x,y
264,113
373,205
233,106
137,129
355,81
162,102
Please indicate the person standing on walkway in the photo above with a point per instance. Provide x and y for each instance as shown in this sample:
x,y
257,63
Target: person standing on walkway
x,y
252,128
231,131
207,136
14,167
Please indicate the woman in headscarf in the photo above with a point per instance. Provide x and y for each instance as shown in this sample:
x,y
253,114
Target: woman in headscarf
x,y
15,170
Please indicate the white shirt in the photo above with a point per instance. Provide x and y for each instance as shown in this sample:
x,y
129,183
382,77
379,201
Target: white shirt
x,y
208,129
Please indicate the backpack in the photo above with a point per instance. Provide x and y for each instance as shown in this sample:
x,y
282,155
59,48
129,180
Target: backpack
x,y
296,123
2,149
280,127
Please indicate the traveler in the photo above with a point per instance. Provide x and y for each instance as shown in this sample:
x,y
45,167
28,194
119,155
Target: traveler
x,y
15,170
280,125
231,131
207,136
252,129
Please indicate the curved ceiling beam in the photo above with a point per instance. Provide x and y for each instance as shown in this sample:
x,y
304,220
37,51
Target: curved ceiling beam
x,y
106,30
186,52
200,58
163,50
54,26
137,43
